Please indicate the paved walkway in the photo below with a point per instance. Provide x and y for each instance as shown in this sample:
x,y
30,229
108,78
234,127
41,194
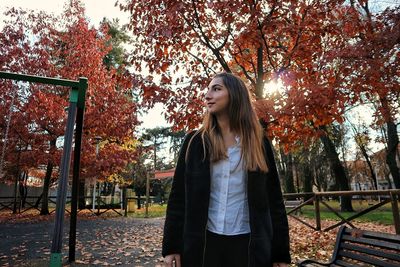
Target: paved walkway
x,y
100,242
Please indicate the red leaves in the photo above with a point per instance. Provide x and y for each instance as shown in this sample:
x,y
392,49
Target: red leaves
x,y
164,67
326,53
65,47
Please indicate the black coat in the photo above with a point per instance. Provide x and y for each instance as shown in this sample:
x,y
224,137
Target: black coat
x,y
187,211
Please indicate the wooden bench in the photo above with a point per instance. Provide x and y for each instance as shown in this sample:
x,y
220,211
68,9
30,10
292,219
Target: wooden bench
x,y
292,204
355,247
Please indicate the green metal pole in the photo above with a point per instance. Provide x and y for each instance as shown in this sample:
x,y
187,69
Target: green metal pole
x,y
56,257
37,79
77,99
76,168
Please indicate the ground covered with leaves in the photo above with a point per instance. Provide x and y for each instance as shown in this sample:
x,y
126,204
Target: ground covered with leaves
x,y
110,240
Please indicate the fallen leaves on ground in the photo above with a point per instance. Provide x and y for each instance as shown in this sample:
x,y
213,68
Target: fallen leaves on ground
x,y
137,242
305,243
33,216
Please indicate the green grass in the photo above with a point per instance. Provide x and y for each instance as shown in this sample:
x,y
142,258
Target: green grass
x,y
155,211
382,215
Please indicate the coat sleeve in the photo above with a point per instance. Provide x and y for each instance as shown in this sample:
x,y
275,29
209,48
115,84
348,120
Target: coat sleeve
x,y
174,222
280,242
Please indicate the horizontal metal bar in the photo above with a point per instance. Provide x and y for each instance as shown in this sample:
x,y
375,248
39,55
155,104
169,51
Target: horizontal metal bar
x,y
303,222
360,193
299,195
346,193
38,79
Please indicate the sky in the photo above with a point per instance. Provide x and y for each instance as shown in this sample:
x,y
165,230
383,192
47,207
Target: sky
x,y
96,10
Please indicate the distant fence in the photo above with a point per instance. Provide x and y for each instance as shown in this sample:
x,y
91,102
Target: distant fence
x,y
316,199
102,205
383,196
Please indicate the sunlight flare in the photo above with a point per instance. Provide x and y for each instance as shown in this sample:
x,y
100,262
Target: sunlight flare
x,y
273,87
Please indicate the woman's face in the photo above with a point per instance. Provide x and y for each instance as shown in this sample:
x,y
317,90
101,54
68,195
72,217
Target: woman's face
x,y
217,97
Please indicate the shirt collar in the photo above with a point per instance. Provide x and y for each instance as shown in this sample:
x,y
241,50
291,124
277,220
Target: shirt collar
x,y
237,138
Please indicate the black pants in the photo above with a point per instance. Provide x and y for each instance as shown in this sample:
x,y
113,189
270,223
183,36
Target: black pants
x,y
226,251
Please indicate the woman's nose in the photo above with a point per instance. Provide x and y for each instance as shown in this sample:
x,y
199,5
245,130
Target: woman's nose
x,y
208,96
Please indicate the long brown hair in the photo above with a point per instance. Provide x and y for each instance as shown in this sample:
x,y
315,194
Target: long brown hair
x,y
242,120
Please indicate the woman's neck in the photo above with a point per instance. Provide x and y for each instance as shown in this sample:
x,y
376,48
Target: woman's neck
x,y
227,134
223,123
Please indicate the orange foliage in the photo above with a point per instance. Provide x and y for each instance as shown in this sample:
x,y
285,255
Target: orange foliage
x,y
309,45
67,47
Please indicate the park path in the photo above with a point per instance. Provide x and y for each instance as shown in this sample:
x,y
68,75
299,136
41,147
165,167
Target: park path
x,y
100,242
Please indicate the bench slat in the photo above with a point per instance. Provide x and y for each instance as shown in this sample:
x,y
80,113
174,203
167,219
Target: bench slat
x,y
343,263
355,248
380,236
292,203
366,259
312,263
371,251
372,242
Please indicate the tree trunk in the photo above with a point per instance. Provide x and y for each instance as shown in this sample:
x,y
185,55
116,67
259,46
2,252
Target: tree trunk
x,y
260,73
47,179
139,201
393,142
338,171
317,180
17,174
296,171
45,195
387,177
289,182
81,193
16,193
281,166
38,201
371,169
308,179
23,189
112,194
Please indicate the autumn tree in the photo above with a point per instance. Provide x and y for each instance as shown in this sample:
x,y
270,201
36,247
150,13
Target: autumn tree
x,y
68,47
304,171
363,139
260,40
319,167
37,114
285,168
372,61
117,57
155,139
204,37
176,141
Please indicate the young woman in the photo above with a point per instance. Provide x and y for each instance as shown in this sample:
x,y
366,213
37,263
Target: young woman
x,y
226,206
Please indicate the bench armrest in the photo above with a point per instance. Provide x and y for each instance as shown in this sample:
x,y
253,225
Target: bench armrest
x,y
305,262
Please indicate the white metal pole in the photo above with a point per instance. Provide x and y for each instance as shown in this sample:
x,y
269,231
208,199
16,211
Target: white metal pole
x,y
94,196
95,180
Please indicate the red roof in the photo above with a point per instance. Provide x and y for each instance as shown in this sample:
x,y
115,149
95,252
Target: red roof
x,y
164,174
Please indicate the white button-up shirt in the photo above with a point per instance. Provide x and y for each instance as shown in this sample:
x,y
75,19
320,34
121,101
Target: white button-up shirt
x,y
228,211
